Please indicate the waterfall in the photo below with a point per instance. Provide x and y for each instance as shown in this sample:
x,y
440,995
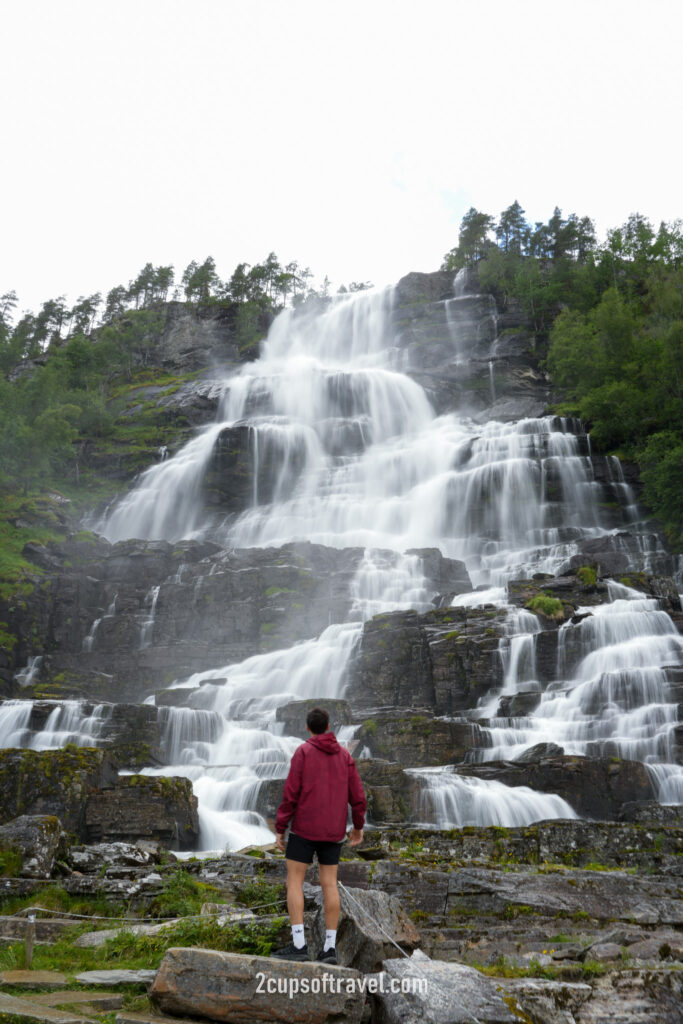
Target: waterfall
x,y
611,694
341,448
448,800
148,625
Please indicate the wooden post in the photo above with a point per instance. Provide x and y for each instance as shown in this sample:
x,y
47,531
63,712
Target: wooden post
x,y
28,942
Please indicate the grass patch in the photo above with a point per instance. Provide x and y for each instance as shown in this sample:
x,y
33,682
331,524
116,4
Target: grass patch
x,y
588,575
10,862
258,892
543,604
183,896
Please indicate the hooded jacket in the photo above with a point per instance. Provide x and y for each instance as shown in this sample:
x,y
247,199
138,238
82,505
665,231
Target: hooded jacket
x,y
323,780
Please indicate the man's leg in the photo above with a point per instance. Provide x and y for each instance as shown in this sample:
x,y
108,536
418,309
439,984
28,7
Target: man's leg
x,y
296,872
328,881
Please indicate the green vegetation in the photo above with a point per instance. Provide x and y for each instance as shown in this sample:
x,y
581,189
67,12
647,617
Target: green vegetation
x,y
551,607
608,317
183,896
258,892
588,575
128,950
10,862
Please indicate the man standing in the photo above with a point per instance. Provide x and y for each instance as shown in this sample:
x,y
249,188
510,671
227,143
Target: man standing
x,y
323,780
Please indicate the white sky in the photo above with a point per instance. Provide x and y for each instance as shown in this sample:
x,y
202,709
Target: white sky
x,y
350,136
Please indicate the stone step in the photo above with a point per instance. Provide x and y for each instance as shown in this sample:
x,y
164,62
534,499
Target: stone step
x,y
125,1017
33,979
96,1001
115,978
29,1010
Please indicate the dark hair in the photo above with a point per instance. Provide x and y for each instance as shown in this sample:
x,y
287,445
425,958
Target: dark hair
x,y
317,720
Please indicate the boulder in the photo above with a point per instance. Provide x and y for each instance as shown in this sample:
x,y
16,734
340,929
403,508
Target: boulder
x,y
435,992
148,807
242,989
538,752
54,782
293,715
370,925
38,840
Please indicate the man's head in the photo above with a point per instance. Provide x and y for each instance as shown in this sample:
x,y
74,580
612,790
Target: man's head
x,y
318,721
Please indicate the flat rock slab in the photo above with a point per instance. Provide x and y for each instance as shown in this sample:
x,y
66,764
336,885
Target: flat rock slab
x,y
33,979
27,1009
436,992
115,978
147,1018
240,989
71,997
609,895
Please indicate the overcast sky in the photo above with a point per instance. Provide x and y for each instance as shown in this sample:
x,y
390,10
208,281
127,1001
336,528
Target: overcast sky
x,y
350,136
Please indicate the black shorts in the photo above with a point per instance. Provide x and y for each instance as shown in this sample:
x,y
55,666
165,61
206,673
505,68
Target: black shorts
x,y
302,850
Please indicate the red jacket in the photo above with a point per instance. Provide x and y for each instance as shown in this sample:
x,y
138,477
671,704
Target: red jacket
x,y
323,780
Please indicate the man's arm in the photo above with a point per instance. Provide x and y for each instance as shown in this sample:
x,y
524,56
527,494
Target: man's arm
x,y
290,796
358,803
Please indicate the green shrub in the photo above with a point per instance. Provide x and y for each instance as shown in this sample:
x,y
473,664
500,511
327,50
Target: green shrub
x,y
588,575
545,605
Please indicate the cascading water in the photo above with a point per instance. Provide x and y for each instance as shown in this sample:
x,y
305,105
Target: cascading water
x,y
347,451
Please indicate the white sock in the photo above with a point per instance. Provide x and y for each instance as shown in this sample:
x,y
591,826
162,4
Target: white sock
x,y
298,936
330,939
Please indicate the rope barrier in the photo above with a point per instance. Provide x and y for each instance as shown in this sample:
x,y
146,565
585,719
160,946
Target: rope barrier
x,y
25,911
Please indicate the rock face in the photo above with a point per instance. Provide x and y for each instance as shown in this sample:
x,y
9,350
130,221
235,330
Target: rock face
x,y
141,807
38,840
56,782
82,785
123,620
242,989
370,923
595,787
440,993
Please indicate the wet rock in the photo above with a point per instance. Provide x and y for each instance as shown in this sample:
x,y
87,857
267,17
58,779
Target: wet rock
x,y
418,738
369,921
650,812
55,782
388,789
233,987
443,993
39,841
129,731
538,752
150,807
595,788
293,715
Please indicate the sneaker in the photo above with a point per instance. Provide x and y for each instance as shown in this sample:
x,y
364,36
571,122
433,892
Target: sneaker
x,y
328,956
291,952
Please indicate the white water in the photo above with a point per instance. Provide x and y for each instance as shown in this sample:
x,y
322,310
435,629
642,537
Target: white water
x,y
449,800
611,695
347,451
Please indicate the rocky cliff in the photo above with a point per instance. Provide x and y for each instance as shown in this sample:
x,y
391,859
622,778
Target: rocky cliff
x,y
378,510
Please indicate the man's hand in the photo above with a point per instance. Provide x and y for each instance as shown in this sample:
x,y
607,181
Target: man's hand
x,y
280,841
356,836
